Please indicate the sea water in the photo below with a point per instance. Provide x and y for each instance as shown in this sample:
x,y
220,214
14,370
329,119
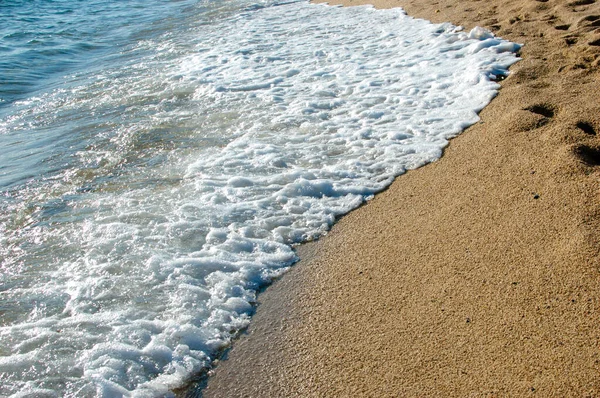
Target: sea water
x,y
159,160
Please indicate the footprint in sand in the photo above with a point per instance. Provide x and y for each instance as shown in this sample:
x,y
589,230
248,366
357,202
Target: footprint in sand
x,y
589,21
545,110
577,3
595,43
586,127
570,40
588,154
562,27
532,117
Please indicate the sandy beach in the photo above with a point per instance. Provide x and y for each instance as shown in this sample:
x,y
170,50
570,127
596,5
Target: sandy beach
x,y
476,275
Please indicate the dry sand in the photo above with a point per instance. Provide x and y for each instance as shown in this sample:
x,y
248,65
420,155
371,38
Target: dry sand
x,y
477,275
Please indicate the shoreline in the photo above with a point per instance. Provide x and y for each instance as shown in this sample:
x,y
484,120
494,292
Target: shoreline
x,y
473,275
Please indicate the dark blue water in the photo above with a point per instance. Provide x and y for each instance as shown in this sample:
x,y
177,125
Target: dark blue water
x,y
42,40
48,48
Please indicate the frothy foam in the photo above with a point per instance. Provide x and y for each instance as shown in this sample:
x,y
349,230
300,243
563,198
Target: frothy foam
x,y
129,279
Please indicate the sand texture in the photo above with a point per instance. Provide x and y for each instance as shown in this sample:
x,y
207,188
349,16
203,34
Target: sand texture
x,y
476,275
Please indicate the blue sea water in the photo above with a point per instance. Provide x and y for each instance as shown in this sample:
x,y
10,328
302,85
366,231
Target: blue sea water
x,y
159,160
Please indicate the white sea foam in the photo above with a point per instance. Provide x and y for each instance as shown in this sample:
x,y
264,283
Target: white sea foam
x,y
308,111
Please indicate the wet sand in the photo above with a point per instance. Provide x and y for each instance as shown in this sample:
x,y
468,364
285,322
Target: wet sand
x,y
476,275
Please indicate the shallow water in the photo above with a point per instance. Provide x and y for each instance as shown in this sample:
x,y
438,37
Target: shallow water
x,y
159,160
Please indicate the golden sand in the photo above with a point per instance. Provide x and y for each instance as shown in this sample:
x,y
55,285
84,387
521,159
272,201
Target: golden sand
x,y
476,275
